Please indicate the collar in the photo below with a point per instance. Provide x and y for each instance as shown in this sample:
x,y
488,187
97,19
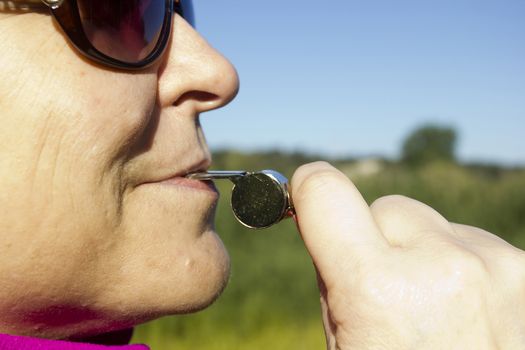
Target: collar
x,y
15,342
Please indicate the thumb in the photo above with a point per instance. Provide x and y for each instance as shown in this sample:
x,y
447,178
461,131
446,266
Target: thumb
x,y
335,222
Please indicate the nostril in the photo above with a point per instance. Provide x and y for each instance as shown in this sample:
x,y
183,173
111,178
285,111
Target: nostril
x,y
199,97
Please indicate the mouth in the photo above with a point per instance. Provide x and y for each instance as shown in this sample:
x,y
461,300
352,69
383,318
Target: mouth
x,y
200,185
179,179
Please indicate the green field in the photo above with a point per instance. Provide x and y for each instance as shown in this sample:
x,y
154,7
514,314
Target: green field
x,y
272,301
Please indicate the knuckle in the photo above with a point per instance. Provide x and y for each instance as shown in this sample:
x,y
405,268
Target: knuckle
x,y
399,204
512,269
468,267
520,258
389,202
412,213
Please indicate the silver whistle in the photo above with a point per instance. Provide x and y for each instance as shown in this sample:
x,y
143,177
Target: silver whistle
x,y
259,199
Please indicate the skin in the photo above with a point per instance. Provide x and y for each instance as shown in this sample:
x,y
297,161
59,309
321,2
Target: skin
x,y
398,275
91,235
94,239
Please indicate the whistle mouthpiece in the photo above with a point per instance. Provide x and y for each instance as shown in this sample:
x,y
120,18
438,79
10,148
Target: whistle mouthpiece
x,y
217,175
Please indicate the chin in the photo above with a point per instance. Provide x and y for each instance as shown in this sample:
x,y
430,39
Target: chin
x,y
209,271
143,290
174,280
168,259
192,284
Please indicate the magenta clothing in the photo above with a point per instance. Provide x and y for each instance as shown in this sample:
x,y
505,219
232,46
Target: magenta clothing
x,y
14,342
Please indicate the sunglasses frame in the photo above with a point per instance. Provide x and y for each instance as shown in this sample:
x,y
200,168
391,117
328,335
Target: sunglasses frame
x,y
67,15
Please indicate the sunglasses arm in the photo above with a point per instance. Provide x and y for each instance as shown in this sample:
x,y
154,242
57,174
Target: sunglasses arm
x,y
27,5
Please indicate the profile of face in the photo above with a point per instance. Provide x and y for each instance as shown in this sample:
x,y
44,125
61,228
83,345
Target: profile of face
x,y
98,229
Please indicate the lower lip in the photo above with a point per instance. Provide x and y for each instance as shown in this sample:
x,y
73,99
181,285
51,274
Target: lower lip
x,y
207,186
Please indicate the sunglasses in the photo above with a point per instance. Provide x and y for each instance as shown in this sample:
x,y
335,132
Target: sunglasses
x,y
123,34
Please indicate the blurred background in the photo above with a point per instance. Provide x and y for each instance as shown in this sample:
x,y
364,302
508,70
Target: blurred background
x,y
421,98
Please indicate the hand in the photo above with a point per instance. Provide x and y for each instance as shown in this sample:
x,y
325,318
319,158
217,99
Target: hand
x,y
397,275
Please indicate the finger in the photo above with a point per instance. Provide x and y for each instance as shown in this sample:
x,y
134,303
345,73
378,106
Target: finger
x,y
484,241
335,221
498,253
477,236
404,220
329,326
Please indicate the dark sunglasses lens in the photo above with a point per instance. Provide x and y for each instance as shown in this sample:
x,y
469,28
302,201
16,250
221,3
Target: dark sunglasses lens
x,y
186,11
126,30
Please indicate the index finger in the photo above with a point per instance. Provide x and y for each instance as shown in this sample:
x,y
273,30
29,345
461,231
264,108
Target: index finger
x,y
335,221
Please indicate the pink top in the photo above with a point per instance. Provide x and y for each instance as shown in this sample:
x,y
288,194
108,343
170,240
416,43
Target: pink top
x,y
14,342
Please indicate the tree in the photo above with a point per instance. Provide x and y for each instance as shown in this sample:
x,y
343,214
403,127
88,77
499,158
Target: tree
x,y
430,143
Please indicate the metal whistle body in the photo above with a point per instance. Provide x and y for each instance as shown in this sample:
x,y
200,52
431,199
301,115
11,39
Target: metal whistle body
x,y
259,199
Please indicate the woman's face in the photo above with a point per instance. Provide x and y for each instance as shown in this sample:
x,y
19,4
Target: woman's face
x,y
98,229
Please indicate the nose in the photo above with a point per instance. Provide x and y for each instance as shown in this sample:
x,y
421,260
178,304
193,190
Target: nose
x,y
192,72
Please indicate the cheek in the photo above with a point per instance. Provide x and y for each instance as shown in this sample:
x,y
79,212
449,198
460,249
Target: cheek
x,y
117,109
61,179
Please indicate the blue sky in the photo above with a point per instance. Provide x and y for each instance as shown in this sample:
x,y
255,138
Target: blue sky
x,y
349,77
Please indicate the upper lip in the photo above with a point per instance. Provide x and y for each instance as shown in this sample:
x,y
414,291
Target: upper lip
x,y
201,165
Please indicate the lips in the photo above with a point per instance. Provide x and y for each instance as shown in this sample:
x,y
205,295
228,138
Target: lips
x,y
177,175
193,184
201,166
